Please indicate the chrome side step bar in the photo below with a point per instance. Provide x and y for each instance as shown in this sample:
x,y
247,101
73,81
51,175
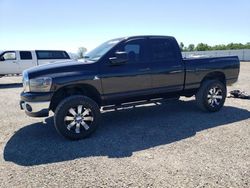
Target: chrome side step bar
x,y
156,101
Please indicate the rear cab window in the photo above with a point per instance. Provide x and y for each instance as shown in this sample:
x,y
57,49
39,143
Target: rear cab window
x,y
42,54
163,51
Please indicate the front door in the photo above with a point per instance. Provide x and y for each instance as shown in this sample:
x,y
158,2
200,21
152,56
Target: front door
x,y
9,63
130,78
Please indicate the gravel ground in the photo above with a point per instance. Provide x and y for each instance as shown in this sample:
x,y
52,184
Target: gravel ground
x,y
168,145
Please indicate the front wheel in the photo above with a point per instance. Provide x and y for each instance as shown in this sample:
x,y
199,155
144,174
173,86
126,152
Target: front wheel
x,y
76,117
211,95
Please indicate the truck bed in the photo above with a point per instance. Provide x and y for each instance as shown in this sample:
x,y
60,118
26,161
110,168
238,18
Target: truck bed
x,y
197,68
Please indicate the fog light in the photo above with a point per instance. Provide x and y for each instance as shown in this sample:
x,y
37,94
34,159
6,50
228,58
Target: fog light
x,y
28,108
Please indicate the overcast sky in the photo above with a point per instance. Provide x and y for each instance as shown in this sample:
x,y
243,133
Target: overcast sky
x,y
60,24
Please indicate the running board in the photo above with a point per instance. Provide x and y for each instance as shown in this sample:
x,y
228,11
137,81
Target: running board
x,y
156,101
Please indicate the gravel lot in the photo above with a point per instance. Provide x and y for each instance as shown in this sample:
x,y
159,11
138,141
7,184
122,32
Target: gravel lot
x,y
168,145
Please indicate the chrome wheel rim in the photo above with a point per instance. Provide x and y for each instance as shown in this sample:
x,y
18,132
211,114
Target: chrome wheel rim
x,y
214,96
78,119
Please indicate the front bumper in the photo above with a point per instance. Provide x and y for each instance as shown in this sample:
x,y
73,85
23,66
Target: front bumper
x,y
35,109
36,104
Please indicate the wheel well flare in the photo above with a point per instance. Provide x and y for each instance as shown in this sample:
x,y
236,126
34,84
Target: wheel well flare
x,y
67,91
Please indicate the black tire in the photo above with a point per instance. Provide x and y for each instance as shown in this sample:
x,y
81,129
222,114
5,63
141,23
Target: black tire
x,y
211,96
74,127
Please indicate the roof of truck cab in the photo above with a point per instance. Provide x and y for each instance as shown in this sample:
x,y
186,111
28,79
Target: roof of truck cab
x,y
142,36
148,36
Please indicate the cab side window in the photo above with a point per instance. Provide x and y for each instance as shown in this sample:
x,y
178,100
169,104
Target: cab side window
x,y
42,54
8,56
163,50
25,55
135,50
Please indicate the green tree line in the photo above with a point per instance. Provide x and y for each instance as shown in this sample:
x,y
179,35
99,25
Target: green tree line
x,y
206,47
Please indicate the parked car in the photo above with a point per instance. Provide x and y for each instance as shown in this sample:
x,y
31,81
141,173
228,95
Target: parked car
x,y
119,71
15,62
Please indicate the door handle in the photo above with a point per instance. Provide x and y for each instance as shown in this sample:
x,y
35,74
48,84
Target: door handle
x,y
144,70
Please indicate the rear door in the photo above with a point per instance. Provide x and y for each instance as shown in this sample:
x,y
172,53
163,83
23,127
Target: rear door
x,y
130,78
9,63
166,65
27,60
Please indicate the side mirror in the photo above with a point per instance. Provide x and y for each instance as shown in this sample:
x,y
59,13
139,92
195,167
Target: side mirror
x,y
120,58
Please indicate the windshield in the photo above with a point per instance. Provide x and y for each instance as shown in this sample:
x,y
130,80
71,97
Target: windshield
x,y
101,50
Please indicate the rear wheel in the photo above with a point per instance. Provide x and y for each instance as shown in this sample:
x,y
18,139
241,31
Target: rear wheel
x,y
211,95
76,117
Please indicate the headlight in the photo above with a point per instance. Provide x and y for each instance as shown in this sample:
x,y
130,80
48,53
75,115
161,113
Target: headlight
x,y
42,84
26,87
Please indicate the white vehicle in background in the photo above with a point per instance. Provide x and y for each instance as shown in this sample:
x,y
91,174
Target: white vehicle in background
x,y
15,62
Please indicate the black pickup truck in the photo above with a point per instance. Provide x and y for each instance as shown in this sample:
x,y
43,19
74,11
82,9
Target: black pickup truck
x,y
119,71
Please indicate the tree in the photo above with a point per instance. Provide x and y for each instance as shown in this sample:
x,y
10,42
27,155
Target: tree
x,y
81,52
247,46
234,46
181,46
205,47
185,49
219,47
191,47
202,47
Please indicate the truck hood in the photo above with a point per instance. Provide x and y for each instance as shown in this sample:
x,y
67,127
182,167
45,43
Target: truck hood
x,y
62,68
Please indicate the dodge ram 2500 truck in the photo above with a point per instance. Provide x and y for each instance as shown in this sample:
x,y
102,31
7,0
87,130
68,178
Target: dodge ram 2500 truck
x,y
15,62
120,71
